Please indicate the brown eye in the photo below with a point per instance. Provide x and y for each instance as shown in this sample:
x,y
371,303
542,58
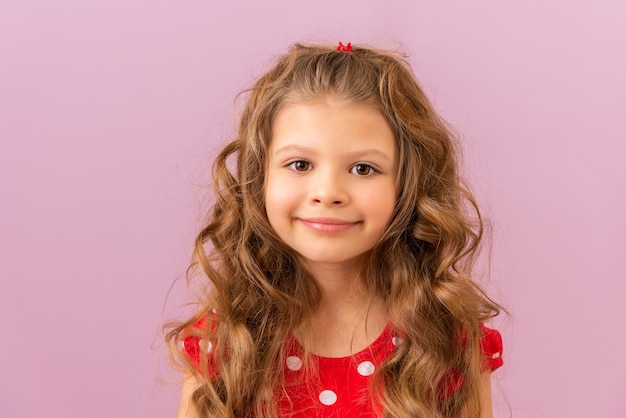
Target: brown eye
x,y
300,165
362,170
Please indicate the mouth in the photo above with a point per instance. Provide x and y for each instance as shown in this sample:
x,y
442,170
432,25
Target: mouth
x,y
327,225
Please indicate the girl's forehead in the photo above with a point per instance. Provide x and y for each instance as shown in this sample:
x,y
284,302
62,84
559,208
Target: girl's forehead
x,y
332,125
330,101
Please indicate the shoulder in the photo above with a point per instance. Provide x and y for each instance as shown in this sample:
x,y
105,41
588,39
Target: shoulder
x,y
186,408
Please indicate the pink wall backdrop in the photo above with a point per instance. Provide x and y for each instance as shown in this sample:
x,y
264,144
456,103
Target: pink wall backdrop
x,y
110,112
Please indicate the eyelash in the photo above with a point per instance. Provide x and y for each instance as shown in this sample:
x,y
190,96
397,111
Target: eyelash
x,y
371,170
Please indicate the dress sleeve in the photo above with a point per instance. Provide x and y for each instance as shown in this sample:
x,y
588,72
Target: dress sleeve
x,y
195,347
492,349
491,344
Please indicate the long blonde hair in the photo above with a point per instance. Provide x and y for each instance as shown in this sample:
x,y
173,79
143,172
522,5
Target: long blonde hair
x,y
421,266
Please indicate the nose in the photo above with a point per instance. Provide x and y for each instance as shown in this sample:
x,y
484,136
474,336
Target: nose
x,y
328,189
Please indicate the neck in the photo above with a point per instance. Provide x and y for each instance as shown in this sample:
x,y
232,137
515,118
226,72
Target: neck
x,y
340,285
348,318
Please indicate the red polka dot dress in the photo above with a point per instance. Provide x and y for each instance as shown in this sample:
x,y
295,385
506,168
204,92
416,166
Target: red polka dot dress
x,y
343,383
341,386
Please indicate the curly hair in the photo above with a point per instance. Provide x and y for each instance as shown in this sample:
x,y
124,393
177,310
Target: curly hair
x,y
421,266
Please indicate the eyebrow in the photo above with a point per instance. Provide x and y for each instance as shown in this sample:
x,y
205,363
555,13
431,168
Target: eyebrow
x,y
293,147
355,154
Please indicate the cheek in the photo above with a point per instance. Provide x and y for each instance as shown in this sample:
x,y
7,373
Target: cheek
x,y
277,202
380,201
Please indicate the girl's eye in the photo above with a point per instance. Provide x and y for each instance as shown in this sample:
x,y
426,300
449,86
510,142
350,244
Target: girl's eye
x,y
300,165
363,170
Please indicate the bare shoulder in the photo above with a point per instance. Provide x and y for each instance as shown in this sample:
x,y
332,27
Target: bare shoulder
x,y
484,386
484,389
186,409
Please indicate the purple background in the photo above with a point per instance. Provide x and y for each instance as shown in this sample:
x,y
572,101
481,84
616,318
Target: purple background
x,y
110,113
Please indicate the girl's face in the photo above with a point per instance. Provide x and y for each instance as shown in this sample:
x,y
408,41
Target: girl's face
x,y
330,188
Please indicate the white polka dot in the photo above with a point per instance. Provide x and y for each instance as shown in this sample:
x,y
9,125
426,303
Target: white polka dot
x,y
397,341
294,363
328,397
205,345
366,368
495,355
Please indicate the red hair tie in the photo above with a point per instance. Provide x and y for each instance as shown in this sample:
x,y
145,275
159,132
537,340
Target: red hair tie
x,y
346,48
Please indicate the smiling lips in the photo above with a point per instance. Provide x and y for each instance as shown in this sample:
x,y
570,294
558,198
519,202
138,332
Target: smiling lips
x,y
327,225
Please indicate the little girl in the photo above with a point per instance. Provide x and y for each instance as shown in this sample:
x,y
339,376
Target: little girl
x,y
338,254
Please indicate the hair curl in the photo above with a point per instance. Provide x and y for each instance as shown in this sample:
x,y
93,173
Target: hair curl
x,y
421,266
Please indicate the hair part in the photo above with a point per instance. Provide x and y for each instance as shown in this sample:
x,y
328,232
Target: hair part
x,y
421,266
